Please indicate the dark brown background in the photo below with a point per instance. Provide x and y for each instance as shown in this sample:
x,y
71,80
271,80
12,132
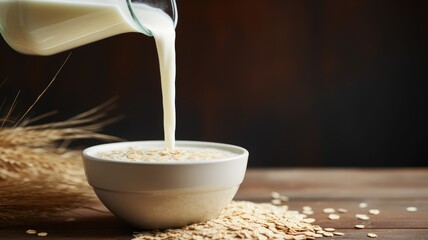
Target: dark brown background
x,y
298,83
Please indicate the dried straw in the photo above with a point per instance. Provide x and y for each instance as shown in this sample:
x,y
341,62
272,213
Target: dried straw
x,y
39,175
34,151
28,202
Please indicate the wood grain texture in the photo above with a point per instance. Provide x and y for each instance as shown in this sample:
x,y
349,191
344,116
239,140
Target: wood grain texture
x,y
337,183
389,190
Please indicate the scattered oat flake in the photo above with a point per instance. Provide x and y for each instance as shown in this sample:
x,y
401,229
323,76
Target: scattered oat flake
x,y
306,208
371,235
362,205
411,209
299,237
328,234
42,234
283,198
276,201
328,210
374,211
342,210
308,212
362,216
359,226
309,234
329,229
339,233
31,231
275,195
333,216
317,228
309,220
243,220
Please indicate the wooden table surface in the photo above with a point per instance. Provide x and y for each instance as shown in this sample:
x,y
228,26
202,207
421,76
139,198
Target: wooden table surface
x,y
389,190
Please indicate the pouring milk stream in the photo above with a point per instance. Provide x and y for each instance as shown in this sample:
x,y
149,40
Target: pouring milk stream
x,y
45,27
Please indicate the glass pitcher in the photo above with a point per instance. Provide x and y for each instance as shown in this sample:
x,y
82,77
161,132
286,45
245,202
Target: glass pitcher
x,y
46,27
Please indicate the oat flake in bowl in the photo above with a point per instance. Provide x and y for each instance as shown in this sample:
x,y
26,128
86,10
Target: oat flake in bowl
x,y
163,155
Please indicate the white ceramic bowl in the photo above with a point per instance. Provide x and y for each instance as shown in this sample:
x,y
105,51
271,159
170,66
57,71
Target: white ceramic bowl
x,y
164,194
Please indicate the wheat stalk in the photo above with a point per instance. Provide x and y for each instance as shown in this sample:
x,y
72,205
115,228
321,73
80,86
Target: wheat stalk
x,y
33,150
39,175
40,178
27,202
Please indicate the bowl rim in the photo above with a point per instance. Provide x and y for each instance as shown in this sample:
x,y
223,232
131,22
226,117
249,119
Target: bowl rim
x,y
239,152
